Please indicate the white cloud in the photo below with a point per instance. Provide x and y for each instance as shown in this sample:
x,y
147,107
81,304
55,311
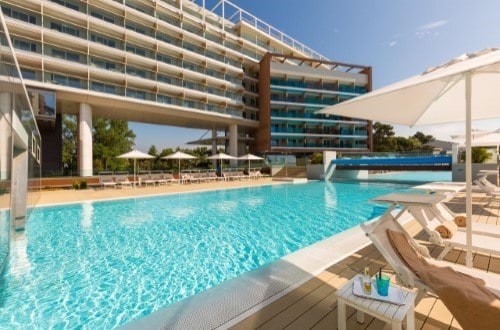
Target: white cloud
x,y
432,25
392,43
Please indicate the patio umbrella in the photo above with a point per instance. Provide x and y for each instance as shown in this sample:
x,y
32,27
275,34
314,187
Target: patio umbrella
x,y
221,156
135,155
179,155
249,157
460,90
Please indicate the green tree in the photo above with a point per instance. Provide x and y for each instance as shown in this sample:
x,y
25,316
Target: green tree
x,y
382,137
69,144
424,139
317,158
111,138
480,155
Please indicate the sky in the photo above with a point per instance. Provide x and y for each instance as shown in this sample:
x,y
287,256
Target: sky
x,y
398,38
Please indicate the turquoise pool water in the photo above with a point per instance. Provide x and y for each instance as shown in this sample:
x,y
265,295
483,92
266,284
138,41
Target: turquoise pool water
x,y
413,176
103,264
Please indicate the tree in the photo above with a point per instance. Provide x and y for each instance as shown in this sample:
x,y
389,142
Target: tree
x,y
69,144
111,138
382,134
480,155
424,139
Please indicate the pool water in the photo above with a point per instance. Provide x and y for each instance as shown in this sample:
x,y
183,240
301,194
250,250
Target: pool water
x,y
103,264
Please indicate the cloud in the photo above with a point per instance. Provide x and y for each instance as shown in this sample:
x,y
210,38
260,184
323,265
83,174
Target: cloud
x,y
432,25
392,43
429,29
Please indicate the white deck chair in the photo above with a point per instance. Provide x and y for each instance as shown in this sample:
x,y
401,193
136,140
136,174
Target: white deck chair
x,y
488,188
106,179
377,232
427,219
121,179
443,213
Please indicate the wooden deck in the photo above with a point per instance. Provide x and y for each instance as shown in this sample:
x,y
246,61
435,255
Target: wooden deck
x,y
313,305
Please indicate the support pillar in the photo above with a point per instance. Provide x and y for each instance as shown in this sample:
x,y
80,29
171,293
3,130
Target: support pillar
x,y
214,145
19,186
233,143
5,135
85,140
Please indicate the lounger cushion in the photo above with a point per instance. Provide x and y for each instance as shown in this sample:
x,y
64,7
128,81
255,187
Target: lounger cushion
x,y
447,229
472,305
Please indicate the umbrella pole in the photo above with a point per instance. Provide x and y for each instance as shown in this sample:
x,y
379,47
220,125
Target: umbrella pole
x,y
135,176
180,171
468,168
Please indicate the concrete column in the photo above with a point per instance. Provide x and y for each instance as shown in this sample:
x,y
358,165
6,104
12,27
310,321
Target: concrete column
x,y
85,140
233,142
214,145
19,188
5,135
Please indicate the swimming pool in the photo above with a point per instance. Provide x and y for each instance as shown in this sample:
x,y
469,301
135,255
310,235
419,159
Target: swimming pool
x,y
103,264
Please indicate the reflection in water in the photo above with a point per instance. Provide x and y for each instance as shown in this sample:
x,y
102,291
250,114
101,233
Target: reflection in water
x,y
4,234
19,262
88,212
330,195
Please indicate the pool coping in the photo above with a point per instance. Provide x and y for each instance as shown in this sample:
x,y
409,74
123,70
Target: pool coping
x,y
229,303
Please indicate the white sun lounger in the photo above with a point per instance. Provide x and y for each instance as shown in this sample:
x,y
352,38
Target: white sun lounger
x,y
121,179
421,208
377,232
106,179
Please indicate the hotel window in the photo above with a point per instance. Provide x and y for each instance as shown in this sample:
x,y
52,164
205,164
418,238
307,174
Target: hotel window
x,y
136,94
25,45
103,64
102,17
164,99
19,15
100,87
28,74
67,4
103,40
136,72
65,29
136,50
135,28
65,55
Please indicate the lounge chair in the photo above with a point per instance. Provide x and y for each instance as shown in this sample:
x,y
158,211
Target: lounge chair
x,y
488,188
145,178
420,207
157,177
121,179
377,232
106,179
443,214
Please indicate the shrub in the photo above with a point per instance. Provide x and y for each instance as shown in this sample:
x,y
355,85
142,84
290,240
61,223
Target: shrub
x,y
83,184
76,184
317,158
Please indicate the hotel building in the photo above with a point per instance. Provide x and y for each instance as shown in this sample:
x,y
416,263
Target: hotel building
x,y
176,62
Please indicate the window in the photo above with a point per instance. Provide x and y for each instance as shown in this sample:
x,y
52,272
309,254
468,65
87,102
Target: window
x,y
135,28
164,99
67,4
28,74
25,45
19,15
136,72
65,29
103,40
103,64
136,94
100,87
102,17
136,50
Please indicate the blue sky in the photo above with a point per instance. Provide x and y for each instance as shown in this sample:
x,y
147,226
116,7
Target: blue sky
x,y
398,39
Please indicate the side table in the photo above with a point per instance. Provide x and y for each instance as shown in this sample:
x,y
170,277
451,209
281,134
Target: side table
x,y
390,313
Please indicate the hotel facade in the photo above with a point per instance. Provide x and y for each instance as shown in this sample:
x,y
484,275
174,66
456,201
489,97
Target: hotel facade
x,y
179,63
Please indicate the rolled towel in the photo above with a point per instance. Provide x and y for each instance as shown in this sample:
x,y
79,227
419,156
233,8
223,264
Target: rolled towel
x,y
460,220
446,229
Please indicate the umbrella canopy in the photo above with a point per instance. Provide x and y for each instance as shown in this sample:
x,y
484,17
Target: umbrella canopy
x,y
488,139
179,155
135,155
249,157
221,156
460,90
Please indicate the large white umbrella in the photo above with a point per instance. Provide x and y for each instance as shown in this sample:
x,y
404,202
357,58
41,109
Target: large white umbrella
x,y
249,157
135,155
221,156
179,155
461,90
487,139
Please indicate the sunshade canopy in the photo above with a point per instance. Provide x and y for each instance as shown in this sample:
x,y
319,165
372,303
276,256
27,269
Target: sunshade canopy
x,y
436,96
250,157
179,155
136,154
487,139
221,155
